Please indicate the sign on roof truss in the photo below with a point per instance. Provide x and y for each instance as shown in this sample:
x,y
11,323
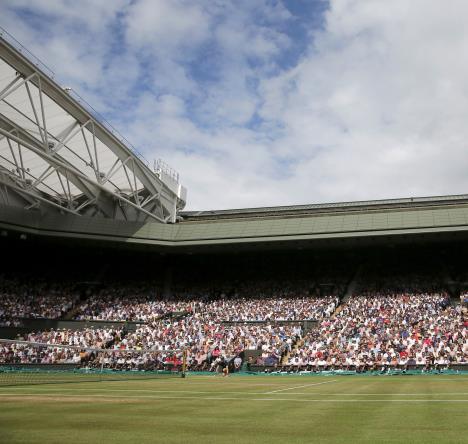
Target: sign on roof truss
x,y
56,155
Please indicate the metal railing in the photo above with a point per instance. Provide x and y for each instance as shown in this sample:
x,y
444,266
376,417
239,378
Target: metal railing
x,y
161,167
36,61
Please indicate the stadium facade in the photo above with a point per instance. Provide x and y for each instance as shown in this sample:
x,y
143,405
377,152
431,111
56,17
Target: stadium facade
x,y
428,218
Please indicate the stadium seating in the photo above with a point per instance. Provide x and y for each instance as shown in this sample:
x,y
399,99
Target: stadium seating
x,y
376,330
38,299
390,320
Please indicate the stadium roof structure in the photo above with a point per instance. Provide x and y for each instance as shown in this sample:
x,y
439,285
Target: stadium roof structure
x,y
280,227
57,154
296,210
66,173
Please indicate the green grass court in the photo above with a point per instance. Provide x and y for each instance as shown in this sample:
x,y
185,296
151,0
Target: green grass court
x,y
240,409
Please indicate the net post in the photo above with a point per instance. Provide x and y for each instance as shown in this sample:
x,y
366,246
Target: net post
x,y
184,362
102,367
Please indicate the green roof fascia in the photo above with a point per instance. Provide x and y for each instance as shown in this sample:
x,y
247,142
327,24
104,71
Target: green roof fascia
x,y
441,219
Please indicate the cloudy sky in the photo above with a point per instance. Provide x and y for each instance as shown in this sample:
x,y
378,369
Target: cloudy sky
x,y
269,102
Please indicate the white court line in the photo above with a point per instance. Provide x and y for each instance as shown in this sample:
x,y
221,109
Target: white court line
x,y
44,390
102,391
210,380
459,380
216,398
300,386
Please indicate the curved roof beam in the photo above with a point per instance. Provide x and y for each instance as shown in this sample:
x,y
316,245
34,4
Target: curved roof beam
x,y
70,140
73,173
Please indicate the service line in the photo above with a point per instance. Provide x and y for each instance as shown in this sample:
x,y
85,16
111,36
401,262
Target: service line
x,y
300,386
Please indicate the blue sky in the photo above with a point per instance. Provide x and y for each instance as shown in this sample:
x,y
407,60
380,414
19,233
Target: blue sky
x,y
259,102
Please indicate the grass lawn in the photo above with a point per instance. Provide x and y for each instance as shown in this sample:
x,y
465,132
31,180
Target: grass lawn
x,y
240,409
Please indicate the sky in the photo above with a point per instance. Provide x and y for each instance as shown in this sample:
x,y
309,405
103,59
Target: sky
x,y
269,102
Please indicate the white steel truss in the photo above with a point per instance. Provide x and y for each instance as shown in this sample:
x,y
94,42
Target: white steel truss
x,y
57,155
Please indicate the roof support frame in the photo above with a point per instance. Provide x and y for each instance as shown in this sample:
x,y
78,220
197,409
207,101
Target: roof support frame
x,y
31,196
23,138
163,198
97,188
29,174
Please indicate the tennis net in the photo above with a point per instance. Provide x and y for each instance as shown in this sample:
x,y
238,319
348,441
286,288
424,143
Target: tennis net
x,y
24,362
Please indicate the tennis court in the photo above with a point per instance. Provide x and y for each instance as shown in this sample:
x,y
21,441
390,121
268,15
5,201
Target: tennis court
x,y
251,409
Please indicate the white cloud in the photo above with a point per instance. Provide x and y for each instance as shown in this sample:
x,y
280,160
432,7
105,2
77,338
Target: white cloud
x,y
166,27
375,107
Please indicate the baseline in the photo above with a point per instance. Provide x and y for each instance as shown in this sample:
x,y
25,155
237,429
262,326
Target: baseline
x,y
102,391
214,398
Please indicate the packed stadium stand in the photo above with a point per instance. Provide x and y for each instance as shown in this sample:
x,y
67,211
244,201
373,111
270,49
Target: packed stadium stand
x,y
287,311
102,268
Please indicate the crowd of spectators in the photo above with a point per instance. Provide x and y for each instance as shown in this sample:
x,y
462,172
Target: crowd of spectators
x,y
15,353
390,321
157,343
381,329
36,299
80,341
129,303
85,337
272,308
205,340
251,301
146,309
211,326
